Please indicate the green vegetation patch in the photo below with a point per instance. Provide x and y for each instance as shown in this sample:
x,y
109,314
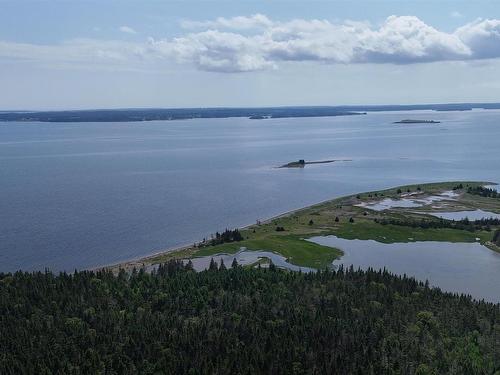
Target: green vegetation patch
x,y
369,230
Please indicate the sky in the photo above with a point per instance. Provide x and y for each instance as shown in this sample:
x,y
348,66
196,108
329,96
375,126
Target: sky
x,y
83,54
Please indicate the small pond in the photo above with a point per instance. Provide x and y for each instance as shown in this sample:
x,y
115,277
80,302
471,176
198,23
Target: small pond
x,y
407,201
460,215
246,257
469,268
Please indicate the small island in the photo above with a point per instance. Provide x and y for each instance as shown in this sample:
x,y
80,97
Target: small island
x,y
410,121
302,163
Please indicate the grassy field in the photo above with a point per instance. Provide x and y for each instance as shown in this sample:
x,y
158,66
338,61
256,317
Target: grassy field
x,y
368,230
341,217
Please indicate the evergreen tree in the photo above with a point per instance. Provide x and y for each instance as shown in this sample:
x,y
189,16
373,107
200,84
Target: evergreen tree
x,y
213,265
222,266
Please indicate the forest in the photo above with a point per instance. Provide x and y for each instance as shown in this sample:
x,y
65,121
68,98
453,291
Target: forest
x,y
483,192
463,224
241,321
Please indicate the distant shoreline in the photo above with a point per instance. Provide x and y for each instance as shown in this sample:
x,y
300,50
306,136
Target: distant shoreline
x,y
136,115
262,113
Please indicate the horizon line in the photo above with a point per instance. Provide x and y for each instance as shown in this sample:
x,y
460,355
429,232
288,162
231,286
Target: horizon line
x,y
249,107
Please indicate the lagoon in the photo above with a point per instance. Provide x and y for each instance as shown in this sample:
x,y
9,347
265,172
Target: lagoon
x,y
244,258
468,268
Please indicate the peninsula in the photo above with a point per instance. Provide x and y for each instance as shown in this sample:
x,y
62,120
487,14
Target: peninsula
x,y
398,215
302,163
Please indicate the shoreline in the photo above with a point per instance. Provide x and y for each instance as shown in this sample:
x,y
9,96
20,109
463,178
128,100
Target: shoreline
x,y
154,257
143,261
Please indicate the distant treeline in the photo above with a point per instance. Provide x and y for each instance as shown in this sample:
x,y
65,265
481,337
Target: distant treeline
x,y
149,114
464,224
119,115
241,321
483,191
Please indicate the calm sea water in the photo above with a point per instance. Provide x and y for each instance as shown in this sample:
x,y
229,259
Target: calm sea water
x,y
77,195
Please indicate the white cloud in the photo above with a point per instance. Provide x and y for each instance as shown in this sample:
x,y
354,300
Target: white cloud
x,y
456,14
398,40
408,40
216,51
127,30
482,37
242,44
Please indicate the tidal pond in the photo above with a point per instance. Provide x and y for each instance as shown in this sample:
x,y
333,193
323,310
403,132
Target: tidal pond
x,y
246,257
471,215
408,201
468,268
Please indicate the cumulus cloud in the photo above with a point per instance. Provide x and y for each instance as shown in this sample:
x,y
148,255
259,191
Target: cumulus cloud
x,y
243,44
408,40
229,45
399,40
216,51
482,37
127,30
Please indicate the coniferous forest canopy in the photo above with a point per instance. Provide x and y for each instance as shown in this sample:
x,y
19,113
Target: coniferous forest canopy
x,y
241,320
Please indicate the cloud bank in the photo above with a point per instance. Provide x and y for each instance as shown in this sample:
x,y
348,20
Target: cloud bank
x,y
243,44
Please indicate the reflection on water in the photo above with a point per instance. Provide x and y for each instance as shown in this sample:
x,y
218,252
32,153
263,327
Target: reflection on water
x,y
469,268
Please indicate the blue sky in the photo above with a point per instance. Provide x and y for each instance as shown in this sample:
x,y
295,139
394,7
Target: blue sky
x,y
115,54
